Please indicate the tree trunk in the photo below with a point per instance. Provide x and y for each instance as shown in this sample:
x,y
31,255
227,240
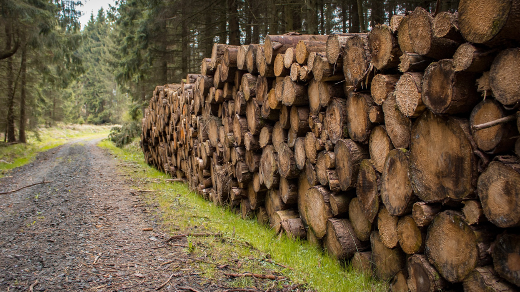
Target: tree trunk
x,y
23,118
451,246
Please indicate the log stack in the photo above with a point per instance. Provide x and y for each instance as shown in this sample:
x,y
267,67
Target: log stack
x,y
394,150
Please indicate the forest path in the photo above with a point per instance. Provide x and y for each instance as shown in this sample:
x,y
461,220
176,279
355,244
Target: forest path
x,y
85,230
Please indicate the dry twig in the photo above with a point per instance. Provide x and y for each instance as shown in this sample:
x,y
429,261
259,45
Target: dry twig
x,y
259,276
13,191
31,288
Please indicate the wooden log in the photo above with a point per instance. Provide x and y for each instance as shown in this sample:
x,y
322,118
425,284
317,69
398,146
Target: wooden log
x,y
489,22
310,147
360,224
305,47
276,218
269,167
335,46
395,21
242,172
299,120
496,139
403,35
384,47
205,67
379,146
248,85
294,72
506,257
387,261
241,57
255,123
473,213
245,209
387,227
285,117
286,162
422,276
217,53
397,125
382,86
486,279
396,188
294,228
279,136
321,93
278,44
294,93
408,94
420,30
442,164
339,241
304,74
310,172
349,155
362,262
336,119
472,58
289,191
367,189
498,190
398,283
213,129
423,213
316,209
264,69
265,136
261,216
451,246
240,104
411,238
279,67
251,142
412,62
299,153
339,202
446,25
230,56
251,58
446,91
325,160
324,71
252,160
358,121
256,198
356,62
239,129
504,76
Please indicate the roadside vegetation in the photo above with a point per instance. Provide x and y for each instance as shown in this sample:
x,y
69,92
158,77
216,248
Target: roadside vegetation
x,y
242,245
14,155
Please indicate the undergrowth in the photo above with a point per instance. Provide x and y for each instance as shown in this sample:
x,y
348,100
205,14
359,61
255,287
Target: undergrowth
x,y
245,244
18,154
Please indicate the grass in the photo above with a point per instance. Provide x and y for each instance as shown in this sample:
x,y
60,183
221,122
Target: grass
x,y
16,155
245,243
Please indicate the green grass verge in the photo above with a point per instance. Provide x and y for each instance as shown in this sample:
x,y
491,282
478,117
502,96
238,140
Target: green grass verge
x,y
184,211
16,155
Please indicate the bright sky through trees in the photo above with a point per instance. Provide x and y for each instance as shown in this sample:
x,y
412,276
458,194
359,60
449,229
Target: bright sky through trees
x,y
92,6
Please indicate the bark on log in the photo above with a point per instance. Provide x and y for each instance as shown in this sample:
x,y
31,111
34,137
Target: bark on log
x,y
486,279
336,119
451,246
472,58
422,276
356,62
424,213
289,191
412,62
382,86
269,167
446,25
362,262
358,120
442,164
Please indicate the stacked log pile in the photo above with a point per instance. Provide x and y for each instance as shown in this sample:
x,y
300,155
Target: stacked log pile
x,y
394,150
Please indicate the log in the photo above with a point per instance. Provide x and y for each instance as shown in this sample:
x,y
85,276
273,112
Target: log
x,y
217,53
387,227
397,125
335,46
473,213
336,119
411,238
256,198
304,74
251,142
310,147
299,120
358,120
499,193
294,72
489,22
321,93
398,283
382,86
506,257
251,58
324,71
266,135
422,276
384,47
278,44
253,161
286,162
289,191
325,160
340,241
205,67
248,85
294,228
356,62
269,167
245,209
241,57
285,117
239,129
451,246
403,35
496,139
424,213
299,153
304,47
230,56
294,93
420,30
446,91
408,94
361,227
362,262
316,209
279,67
504,76
349,155
339,202
310,172
442,164
472,58
264,69
446,25
379,146
387,261
279,136
395,21
367,189
396,188
486,279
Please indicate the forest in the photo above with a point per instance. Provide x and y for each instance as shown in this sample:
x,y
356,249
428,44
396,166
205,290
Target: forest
x,y
54,70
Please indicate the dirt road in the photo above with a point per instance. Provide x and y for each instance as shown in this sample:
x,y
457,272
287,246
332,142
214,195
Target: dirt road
x,y
84,230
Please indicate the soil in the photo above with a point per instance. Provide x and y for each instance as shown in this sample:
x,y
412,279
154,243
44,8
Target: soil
x,y
86,229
